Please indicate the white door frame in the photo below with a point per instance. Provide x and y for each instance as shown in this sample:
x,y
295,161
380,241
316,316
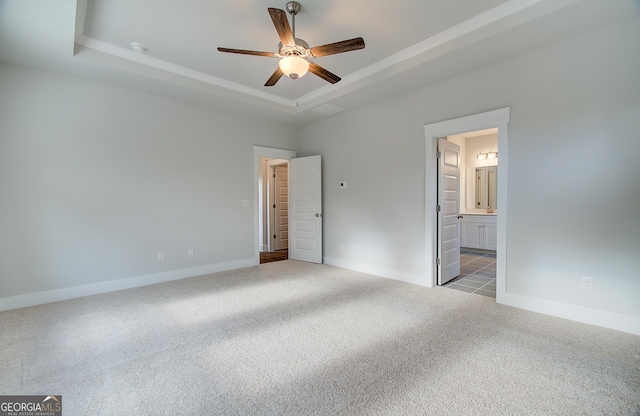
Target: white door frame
x,y
491,119
271,153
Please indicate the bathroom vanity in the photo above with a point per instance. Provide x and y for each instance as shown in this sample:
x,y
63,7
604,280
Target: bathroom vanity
x,y
479,231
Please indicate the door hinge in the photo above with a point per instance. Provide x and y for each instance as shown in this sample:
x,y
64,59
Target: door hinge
x,y
438,154
438,261
274,205
438,208
274,236
274,175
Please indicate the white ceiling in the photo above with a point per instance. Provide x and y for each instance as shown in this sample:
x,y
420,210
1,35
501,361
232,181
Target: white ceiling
x,y
409,44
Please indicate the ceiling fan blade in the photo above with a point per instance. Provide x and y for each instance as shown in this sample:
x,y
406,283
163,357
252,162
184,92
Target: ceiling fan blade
x,y
281,23
245,52
338,47
274,78
323,73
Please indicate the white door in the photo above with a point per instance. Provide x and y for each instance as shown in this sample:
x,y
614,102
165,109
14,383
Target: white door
x,y
305,209
448,260
281,207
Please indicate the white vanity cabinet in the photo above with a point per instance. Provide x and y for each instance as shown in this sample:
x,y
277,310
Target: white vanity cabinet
x,y
479,231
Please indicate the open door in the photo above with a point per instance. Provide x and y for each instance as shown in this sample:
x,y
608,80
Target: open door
x,y
305,209
448,211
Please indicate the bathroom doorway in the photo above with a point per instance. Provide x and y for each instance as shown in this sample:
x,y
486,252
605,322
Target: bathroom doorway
x,y
478,211
496,119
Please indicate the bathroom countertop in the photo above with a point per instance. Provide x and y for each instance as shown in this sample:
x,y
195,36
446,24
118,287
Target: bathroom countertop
x,y
486,214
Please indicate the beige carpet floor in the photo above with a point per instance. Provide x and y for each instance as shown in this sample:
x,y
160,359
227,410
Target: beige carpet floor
x,y
290,338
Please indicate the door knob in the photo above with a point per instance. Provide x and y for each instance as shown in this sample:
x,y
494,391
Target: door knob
x,y
317,215
460,217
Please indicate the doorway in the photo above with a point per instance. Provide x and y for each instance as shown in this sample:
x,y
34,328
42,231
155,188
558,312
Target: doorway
x,y
274,209
478,211
304,204
277,205
493,119
261,157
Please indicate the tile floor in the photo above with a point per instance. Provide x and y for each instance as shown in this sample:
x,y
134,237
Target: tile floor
x,y
477,273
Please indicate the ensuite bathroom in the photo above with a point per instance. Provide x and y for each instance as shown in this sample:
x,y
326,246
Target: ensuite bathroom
x,y
478,212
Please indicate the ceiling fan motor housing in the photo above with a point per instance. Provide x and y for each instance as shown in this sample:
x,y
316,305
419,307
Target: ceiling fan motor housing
x,y
301,49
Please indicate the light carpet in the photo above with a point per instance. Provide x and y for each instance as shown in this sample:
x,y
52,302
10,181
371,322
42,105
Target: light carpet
x,y
292,338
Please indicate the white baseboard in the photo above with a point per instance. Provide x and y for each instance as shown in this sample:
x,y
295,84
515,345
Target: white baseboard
x,y
604,319
39,298
416,279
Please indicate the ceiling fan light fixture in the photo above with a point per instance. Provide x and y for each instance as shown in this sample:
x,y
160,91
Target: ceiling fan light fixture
x,y
294,66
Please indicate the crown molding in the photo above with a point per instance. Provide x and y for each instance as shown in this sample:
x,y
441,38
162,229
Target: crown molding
x,y
492,22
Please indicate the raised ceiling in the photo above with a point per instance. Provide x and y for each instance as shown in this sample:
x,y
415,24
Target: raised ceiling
x,y
409,44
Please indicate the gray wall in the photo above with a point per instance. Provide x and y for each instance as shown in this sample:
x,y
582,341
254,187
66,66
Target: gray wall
x,y
95,180
573,171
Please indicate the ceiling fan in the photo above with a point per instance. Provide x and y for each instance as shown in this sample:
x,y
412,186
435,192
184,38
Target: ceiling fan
x,y
294,52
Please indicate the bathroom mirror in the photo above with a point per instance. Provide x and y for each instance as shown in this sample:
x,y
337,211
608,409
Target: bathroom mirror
x,y
482,187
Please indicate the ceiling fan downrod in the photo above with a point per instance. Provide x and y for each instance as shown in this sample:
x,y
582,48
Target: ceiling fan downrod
x,y
293,7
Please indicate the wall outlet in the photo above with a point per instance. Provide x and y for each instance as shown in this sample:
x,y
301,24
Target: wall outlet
x,y
190,253
160,256
586,283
